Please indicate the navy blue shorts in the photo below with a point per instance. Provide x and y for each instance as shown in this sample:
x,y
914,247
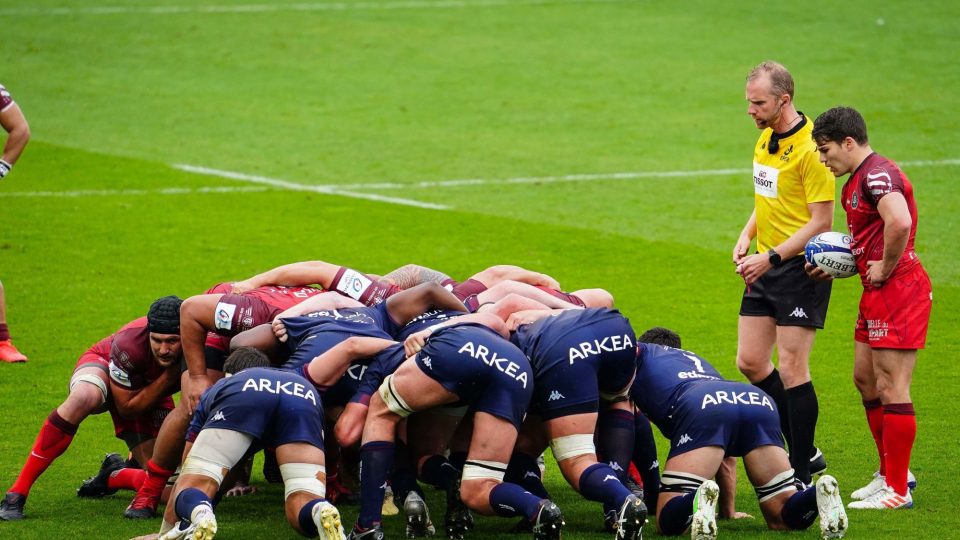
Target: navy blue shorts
x,y
735,416
484,370
313,346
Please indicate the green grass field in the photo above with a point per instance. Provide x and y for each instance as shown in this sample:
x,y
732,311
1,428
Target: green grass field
x,y
603,142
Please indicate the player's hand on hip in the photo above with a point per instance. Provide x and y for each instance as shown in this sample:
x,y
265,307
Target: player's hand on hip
x,y
875,273
815,273
239,287
753,267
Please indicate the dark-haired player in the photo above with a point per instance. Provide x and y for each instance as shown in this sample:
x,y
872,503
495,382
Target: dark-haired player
x,y
707,418
896,300
132,374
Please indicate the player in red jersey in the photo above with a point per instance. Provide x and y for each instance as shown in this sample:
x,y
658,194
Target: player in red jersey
x,y
896,301
18,133
132,374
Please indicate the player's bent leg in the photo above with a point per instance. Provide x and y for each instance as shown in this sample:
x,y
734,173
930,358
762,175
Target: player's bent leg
x,y
167,451
682,478
304,475
894,369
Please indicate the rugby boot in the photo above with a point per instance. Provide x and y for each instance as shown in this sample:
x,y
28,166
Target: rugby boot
x,y
389,507
458,519
143,506
630,519
833,518
97,486
327,519
549,521
11,508
631,483
818,463
609,518
418,516
9,353
885,499
373,533
878,483
704,525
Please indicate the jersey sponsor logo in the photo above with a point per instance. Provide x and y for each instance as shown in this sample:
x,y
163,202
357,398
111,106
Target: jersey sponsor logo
x,y
219,416
119,376
736,398
695,375
490,358
598,346
684,439
277,387
345,315
356,371
353,284
877,328
798,312
554,396
223,320
765,180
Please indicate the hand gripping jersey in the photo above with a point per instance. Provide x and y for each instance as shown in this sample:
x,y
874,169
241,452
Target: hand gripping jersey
x,y
275,407
576,356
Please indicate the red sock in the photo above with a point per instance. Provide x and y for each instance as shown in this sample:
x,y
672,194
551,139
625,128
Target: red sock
x,y
127,479
899,431
874,411
154,480
51,443
566,297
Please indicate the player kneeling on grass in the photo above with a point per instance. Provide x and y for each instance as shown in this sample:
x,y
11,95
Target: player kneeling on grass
x,y
263,406
707,418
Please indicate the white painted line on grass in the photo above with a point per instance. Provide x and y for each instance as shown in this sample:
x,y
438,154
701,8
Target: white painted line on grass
x,y
133,192
294,7
285,184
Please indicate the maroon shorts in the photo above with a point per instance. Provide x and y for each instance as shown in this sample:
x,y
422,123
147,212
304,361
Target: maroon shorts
x,y
896,315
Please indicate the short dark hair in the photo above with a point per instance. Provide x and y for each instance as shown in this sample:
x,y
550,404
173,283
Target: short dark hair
x,y
659,335
244,358
839,123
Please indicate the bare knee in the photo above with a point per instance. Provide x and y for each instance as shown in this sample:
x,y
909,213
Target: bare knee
x,y
754,368
476,494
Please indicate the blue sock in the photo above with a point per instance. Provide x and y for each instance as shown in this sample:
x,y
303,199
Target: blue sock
x,y
645,459
189,499
676,515
376,459
457,459
305,518
615,439
524,471
800,510
438,471
600,483
509,500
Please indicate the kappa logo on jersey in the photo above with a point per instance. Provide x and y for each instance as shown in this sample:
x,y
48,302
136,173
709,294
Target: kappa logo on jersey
x,y
219,416
684,439
554,396
427,362
798,312
224,316
736,398
277,387
505,365
598,346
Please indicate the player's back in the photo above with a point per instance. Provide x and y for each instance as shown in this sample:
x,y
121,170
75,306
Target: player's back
x,y
538,339
663,375
366,321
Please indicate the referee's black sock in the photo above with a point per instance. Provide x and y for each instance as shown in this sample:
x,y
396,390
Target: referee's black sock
x,y
804,410
773,386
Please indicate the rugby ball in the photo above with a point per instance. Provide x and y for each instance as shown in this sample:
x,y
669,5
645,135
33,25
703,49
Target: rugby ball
x,y
830,251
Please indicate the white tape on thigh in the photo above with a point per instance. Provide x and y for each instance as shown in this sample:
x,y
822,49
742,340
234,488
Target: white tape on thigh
x,y
394,402
475,469
94,380
572,446
680,482
302,477
215,451
783,482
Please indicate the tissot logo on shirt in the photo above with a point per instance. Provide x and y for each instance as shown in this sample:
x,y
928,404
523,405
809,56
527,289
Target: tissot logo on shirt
x,y
765,180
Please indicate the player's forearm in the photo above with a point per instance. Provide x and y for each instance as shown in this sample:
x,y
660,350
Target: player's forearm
x,y
749,230
440,298
18,131
895,237
297,274
139,402
821,220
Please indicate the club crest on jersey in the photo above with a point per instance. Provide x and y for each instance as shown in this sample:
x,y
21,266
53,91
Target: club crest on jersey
x,y
598,346
505,365
736,398
277,387
853,201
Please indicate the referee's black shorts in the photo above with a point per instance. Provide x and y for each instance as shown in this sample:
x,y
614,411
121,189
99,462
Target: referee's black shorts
x,y
788,295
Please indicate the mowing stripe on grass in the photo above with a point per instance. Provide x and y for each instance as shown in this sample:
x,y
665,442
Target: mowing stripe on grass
x,y
122,192
299,6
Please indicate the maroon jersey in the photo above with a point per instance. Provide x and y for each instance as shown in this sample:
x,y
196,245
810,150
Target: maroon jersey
x,y
237,313
5,99
875,178
132,365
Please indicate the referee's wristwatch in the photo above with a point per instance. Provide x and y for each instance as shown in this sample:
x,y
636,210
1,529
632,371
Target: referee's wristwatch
x,y
775,259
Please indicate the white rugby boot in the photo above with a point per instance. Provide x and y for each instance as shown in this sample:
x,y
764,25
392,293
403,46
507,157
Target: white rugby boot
x,y
833,518
327,519
885,499
878,483
704,525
